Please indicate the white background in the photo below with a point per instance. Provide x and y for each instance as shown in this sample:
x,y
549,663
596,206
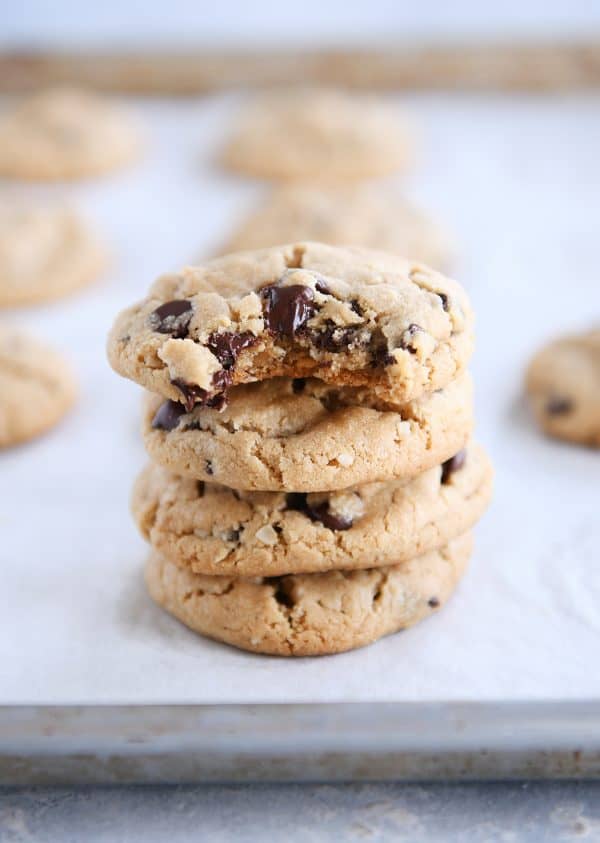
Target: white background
x,y
309,23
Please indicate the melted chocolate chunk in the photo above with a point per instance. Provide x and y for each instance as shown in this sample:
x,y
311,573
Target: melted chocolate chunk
x,y
298,501
234,535
287,309
356,308
226,346
194,396
444,299
167,416
322,288
455,463
557,406
433,602
298,385
173,318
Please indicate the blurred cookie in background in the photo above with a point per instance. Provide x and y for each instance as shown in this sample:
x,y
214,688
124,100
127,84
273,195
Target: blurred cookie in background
x,y
319,135
65,133
563,382
37,387
359,215
46,251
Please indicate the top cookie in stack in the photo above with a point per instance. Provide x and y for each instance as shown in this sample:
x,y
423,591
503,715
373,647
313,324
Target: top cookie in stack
x,y
312,371
348,316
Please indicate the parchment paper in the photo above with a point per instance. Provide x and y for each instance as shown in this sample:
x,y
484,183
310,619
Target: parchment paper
x,y
518,182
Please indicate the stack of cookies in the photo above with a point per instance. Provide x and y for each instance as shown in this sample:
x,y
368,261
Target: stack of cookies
x,y
314,482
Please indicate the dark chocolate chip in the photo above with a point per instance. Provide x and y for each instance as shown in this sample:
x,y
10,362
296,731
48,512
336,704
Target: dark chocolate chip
x,y
433,602
355,305
208,467
408,334
200,488
281,594
557,406
322,288
287,309
298,501
233,535
382,357
173,318
227,346
278,528
335,339
455,463
328,519
298,385
444,299
167,416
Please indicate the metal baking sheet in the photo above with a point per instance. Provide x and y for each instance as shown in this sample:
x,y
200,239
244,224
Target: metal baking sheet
x,y
516,179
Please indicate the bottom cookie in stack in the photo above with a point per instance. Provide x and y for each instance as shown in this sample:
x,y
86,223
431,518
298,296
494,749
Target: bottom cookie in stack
x,y
310,614
297,574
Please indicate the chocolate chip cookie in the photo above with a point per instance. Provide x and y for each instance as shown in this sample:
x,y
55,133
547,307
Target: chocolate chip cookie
x,y
319,135
65,133
363,216
349,316
45,252
37,387
310,614
563,382
307,436
211,529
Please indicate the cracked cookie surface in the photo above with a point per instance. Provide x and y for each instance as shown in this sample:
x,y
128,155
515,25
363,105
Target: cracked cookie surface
x,y
211,529
45,252
318,135
563,382
310,614
306,436
64,133
36,387
363,216
349,316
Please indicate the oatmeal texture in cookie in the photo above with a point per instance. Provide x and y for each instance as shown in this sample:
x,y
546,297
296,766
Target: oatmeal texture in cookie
x,y
319,136
310,614
349,316
563,382
45,252
211,529
307,436
37,387
65,133
363,216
